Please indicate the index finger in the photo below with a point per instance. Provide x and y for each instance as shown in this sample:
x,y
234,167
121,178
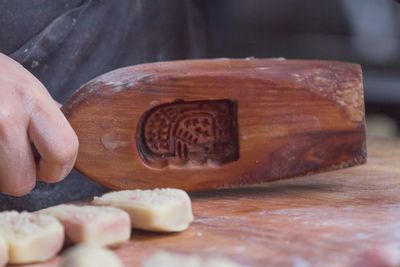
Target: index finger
x,y
55,141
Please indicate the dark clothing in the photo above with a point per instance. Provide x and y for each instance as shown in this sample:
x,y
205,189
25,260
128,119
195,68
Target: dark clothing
x,y
65,43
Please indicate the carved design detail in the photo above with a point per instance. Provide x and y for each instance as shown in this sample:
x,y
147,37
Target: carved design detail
x,y
199,132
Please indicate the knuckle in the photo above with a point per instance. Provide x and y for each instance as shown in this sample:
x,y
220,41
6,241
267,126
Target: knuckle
x,y
67,151
5,116
7,119
21,91
11,112
40,108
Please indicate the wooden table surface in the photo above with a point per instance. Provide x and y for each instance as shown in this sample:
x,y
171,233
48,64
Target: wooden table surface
x,y
320,220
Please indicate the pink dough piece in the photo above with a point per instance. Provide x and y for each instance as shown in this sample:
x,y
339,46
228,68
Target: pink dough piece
x,y
105,226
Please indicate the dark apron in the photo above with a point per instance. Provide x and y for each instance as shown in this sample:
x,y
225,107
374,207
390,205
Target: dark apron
x,y
65,43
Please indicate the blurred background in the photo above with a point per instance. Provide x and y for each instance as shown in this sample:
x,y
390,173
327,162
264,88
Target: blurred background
x,y
360,31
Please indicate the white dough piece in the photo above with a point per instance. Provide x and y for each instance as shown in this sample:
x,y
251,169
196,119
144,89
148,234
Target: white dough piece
x,y
164,210
3,251
90,255
105,226
167,259
31,237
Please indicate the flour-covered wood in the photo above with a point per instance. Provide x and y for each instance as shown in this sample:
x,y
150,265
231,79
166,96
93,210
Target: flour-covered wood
x,y
167,259
327,219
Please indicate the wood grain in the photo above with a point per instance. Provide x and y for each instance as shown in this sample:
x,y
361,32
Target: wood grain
x,y
322,220
203,124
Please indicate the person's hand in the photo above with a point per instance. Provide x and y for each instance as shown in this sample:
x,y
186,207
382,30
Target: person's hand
x,y
30,121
